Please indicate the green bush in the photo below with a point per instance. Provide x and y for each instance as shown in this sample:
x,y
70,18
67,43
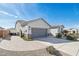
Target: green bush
x,y
59,35
24,37
71,37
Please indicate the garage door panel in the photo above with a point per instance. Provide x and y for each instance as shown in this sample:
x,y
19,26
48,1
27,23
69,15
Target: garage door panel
x,y
38,32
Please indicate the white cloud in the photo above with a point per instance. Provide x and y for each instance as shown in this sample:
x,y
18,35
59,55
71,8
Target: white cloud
x,y
6,13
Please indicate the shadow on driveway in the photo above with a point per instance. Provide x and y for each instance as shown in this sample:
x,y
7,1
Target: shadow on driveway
x,y
53,40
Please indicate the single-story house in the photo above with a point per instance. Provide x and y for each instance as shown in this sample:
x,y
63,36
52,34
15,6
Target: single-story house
x,y
34,28
56,29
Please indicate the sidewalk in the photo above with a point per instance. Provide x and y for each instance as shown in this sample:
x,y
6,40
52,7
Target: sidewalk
x,y
69,48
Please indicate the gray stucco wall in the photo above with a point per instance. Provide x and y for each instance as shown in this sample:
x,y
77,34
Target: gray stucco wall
x,y
38,24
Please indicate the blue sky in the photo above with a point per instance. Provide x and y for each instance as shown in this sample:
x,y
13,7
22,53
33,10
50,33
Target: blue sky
x,y
66,14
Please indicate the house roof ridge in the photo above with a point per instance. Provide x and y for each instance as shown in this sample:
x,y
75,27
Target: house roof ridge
x,y
24,22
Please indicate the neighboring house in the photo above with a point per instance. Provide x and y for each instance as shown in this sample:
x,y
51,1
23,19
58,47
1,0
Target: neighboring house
x,y
56,29
71,31
13,31
1,28
35,28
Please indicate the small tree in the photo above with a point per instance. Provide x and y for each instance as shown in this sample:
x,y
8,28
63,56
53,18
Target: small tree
x,y
59,35
65,32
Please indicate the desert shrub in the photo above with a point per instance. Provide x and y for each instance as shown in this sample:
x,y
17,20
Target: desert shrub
x,y
71,37
59,35
51,49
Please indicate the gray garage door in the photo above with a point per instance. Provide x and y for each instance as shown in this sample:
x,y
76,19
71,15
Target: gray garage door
x,y
39,32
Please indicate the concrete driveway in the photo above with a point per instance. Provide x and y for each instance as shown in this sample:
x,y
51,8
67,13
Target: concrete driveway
x,y
18,44
52,40
63,45
18,47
